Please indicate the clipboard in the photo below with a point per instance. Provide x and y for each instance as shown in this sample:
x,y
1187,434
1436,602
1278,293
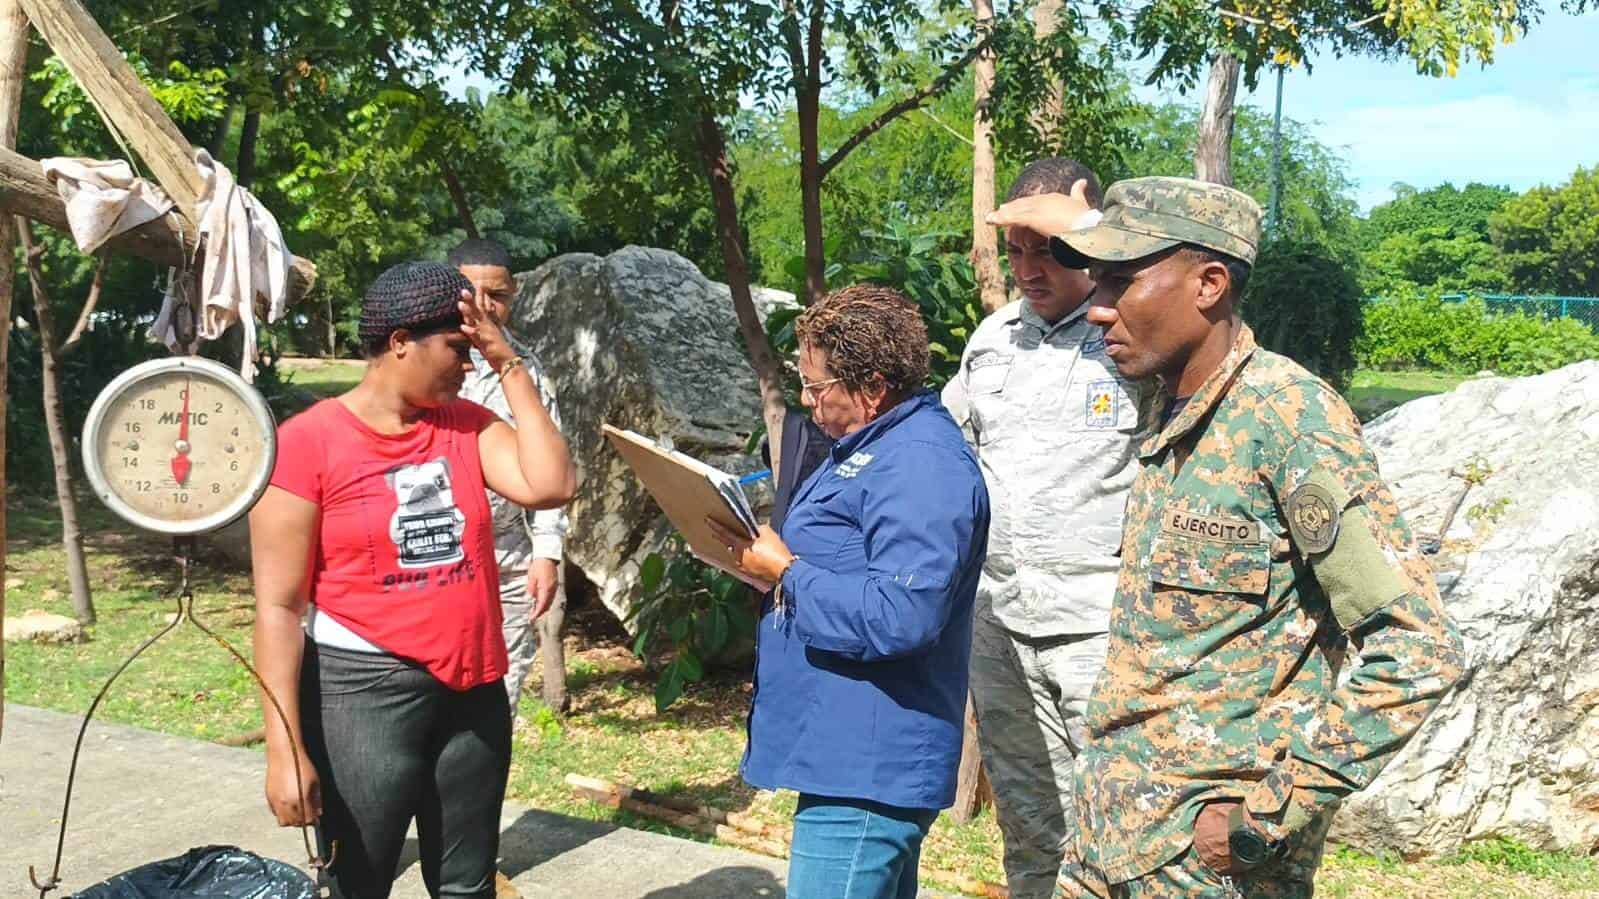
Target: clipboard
x,y
689,491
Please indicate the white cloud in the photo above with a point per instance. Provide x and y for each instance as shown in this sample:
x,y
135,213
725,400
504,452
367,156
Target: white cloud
x,y
1499,138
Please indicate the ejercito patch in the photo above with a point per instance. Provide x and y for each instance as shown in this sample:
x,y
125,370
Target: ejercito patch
x,y
1204,527
1312,518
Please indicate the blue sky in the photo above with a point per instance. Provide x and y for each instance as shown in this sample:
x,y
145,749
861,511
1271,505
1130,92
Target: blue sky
x,y
1529,118
1532,117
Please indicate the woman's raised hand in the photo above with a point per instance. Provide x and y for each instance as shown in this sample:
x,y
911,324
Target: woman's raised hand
x,y
485,333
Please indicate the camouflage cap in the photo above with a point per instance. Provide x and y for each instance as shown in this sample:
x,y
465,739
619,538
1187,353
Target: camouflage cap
x,y
1147,215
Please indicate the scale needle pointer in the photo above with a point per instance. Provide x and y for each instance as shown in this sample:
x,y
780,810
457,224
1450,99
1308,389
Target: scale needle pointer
x,y
180,459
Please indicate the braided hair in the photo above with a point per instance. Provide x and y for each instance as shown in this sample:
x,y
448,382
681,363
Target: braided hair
x,y
420,297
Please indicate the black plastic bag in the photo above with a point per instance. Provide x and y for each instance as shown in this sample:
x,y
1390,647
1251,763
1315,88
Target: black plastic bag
x,y
211,872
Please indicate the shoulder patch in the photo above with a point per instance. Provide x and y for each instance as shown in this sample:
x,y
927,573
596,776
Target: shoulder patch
x,y
1313,518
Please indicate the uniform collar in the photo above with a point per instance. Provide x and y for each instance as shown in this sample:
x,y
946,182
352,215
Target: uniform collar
x,y
1209,394
1026,315
847,445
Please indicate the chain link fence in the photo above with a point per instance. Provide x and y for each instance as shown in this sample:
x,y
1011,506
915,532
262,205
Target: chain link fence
x,y
1582,309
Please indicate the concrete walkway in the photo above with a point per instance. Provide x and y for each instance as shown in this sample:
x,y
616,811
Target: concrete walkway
x,y
143,796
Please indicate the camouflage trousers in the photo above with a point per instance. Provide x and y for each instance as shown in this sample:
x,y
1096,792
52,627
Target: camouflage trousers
x,y
1030,697
521,647
1188,877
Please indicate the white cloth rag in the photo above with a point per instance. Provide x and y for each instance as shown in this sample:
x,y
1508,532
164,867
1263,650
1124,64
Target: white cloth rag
x,y
103,199
244,253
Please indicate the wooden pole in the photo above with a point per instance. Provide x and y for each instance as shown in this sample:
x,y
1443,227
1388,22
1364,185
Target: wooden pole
x,y
13,69
26,192
106,77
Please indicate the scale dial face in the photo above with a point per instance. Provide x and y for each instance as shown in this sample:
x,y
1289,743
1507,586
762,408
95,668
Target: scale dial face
x,y
179,446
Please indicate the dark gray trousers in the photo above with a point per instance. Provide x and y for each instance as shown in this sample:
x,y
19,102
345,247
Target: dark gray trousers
x,y
392,744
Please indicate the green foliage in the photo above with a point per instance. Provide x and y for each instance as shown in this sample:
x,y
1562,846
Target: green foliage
x,y
941,283
1412,330
1433,239
697,611
1317,203
1434,257
1304,303
1459,211
1509,854
1550,237
116,344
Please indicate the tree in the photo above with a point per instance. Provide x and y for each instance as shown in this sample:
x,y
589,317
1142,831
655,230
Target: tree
x,y
985,246
1550,237
1457,211
1317,203
53,350
1237,41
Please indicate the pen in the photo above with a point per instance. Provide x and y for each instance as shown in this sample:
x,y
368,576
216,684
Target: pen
x,y
755,476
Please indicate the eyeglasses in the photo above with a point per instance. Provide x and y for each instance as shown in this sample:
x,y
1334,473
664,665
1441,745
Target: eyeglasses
x,y
814,389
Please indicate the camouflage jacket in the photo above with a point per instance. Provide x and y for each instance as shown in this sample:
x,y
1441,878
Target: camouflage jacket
x,y
1260,545
1056,431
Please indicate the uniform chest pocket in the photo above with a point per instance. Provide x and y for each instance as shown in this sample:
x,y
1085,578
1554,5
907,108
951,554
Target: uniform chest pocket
x,y
1206,565
987,372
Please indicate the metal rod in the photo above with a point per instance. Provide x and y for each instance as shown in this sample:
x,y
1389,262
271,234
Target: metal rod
x,y
1274,216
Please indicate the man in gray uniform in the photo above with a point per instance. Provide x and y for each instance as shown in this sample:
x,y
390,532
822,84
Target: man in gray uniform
x,y
527,545
1055,429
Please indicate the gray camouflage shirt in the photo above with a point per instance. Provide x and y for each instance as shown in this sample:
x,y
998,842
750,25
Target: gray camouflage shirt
x,y
519,535
1055,429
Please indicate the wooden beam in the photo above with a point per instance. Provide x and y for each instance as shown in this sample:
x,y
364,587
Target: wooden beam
x,y
105,75
25,191
13,70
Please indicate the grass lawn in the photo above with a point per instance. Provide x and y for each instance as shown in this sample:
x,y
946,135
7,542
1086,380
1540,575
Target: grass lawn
x,y
1372,392
322,377
186,685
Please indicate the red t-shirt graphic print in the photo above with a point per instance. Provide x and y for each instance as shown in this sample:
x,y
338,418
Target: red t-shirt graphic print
x,y
405,552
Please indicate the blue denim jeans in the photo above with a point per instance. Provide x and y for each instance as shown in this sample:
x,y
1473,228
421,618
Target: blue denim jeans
x,y
855,849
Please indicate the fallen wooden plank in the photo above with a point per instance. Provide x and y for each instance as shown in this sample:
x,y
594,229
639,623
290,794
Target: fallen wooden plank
x,y
25,191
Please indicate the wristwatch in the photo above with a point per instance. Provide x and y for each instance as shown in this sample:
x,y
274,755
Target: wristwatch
x,y
1249,847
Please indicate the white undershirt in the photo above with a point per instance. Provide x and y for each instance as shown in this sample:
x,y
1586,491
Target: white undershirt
x,y
325,630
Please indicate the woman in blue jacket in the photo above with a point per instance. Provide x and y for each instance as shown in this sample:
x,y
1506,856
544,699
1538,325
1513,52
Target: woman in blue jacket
x,y
860,682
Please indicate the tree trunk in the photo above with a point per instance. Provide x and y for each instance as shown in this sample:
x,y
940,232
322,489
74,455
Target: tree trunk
x,y
985,245
809,102
60,446
1213,154
970,779
463,208
552,653
248,136
768,371
1046,120
13,69
219,133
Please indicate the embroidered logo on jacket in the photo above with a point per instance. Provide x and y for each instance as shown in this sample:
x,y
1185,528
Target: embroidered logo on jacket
x,y
1100,406
852,466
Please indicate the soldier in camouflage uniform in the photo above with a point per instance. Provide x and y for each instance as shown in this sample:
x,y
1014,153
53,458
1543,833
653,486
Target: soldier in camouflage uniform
x,y
1055,430
1260,546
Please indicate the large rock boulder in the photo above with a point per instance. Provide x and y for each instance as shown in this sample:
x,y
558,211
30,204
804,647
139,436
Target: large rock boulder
x,y
640,340
43,627
1514,750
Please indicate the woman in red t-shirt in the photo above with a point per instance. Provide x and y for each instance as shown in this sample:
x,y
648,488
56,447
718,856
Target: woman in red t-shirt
x,y
377,607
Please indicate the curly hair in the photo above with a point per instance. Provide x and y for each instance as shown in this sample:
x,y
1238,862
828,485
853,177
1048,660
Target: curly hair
x,y
869,334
